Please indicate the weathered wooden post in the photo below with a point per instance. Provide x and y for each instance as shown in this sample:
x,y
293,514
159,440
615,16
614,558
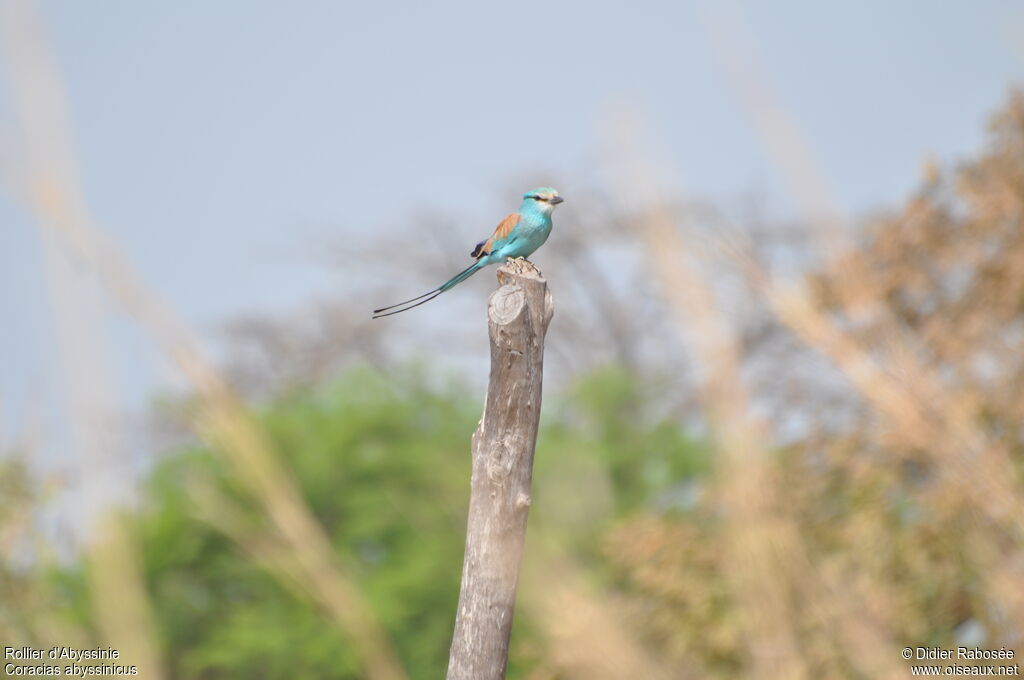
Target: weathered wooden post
x,y
518,314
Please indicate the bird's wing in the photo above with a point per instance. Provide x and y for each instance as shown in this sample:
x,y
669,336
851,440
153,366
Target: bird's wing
x,y
505,228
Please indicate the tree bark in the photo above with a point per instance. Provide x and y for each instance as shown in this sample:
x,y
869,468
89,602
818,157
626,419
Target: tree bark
x,y
518,315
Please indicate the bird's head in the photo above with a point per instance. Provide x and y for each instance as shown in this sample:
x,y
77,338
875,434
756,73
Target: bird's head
x,y
543,199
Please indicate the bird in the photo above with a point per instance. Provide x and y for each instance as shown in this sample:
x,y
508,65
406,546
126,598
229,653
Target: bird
x,y
518,235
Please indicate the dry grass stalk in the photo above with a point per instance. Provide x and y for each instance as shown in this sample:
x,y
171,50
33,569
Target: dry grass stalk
x,y
57,201
758,531
586,631
885,362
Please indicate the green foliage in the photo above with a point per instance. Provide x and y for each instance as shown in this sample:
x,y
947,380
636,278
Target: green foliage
x,y
384,464
380,465
602,440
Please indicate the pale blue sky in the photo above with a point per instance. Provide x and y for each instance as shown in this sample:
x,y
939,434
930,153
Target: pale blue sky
x,y
216,137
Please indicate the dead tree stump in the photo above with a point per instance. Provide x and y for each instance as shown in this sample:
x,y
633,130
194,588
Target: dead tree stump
x,y
518,314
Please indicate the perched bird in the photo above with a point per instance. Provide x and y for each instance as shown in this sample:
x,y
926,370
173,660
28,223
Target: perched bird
x,y
518,235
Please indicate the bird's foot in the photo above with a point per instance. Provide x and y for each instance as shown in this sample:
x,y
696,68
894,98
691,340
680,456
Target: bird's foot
x,y
520,265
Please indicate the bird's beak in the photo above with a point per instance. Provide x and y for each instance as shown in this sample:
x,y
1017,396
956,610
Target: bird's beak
x,y
556,200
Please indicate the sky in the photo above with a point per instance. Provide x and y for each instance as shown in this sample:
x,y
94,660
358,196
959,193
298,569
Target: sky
x,y
217,140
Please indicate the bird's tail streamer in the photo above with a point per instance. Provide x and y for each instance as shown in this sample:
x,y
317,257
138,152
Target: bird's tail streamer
x,y
429,295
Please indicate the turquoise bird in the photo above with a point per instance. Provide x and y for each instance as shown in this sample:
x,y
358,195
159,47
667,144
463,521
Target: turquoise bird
x,y
518,235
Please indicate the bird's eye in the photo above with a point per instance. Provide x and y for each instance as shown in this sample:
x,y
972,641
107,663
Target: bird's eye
x,y
538,198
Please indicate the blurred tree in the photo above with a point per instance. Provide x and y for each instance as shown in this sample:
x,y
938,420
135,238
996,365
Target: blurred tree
x,y
383,463
895,549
